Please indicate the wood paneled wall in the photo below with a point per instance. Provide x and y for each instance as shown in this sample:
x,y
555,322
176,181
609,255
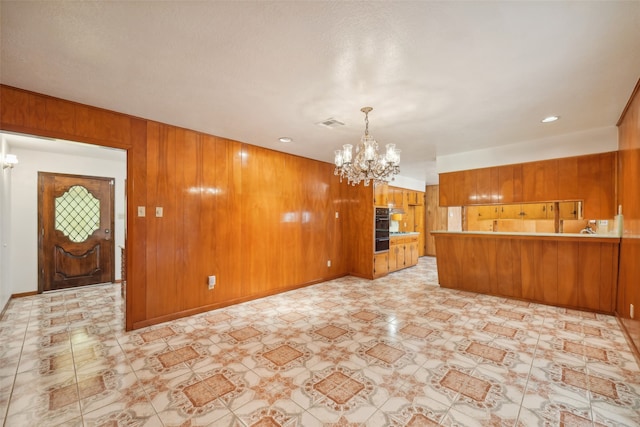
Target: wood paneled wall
x,y
260,221
629,198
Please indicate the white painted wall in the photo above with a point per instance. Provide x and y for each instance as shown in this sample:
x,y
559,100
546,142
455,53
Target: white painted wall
x,y
592,141
5,226
408,183
24,203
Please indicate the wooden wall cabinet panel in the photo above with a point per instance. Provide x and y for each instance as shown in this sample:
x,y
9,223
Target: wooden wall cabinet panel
x,y
381,195
597,185
380,264
568,264
483,186
437,218
508,274
568,181
589,255
453,189
549,279
539,181
469,194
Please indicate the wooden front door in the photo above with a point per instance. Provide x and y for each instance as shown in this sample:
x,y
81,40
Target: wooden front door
x,y
75,231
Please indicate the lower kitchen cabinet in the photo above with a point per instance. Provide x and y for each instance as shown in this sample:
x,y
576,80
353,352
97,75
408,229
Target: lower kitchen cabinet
x,y
574,272
403,252
380,264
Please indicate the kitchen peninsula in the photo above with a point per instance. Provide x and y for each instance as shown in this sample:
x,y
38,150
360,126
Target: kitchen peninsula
x,y
520,232
568,270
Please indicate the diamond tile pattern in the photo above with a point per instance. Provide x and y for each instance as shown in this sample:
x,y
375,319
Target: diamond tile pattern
x,y
397,351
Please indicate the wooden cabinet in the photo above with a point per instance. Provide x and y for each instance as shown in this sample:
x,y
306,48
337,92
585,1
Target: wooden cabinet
x,y
590,179
534,210
414,198
596,185
452,189
540,181
413,250
510,212
437,218
575,272
569,210
380,195
403,252
380,264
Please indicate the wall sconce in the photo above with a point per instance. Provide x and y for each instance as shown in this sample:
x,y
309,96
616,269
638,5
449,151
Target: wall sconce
x,y
9,161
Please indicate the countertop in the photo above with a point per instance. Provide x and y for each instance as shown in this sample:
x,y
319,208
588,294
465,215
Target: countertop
x,y
518,234
403,233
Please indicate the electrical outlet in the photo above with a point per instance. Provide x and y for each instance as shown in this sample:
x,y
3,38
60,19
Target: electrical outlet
x,y
212,282
328,263
631,311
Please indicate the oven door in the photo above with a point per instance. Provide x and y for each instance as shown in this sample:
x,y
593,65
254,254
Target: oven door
x,y
382,244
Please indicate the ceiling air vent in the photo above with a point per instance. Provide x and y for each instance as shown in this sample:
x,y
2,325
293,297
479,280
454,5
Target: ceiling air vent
x,y
330,123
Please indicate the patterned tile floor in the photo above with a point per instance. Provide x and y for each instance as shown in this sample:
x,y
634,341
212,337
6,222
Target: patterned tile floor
x,y
399,351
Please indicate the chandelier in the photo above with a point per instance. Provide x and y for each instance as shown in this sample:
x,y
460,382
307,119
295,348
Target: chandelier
x,y
367,164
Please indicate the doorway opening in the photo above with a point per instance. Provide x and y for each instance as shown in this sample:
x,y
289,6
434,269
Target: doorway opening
x,y
23,231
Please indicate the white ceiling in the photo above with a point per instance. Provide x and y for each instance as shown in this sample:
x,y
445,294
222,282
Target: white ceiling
x,y
442,77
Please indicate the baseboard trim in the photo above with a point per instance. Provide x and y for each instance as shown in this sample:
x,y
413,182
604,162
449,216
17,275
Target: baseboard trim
x,y
24,294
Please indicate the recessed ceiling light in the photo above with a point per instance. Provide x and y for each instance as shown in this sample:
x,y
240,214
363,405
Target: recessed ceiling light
x,y
285,139
550,119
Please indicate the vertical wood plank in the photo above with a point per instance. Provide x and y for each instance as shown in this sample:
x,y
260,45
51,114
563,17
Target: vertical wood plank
x,y
568,264
589,275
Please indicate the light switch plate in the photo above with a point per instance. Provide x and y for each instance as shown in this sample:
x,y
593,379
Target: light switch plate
x,y
142,211
158,211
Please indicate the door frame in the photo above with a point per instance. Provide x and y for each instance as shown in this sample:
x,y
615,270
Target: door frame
x,y
41,254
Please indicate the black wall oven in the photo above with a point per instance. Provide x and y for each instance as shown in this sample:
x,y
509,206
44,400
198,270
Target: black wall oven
x,y
381,230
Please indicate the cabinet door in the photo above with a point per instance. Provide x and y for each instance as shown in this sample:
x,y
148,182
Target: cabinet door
x,y
569,210
393,257
487,212
483,186
540,181
568,178
415,251
469,193
380,264
400,256
510,212
534,210
380,195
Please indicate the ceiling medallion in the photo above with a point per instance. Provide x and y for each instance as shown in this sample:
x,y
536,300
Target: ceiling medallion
x,y
367,164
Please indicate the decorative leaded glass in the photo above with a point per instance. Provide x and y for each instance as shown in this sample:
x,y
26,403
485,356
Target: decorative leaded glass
x,y
77,213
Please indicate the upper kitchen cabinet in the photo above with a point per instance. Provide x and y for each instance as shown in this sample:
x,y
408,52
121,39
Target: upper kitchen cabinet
x,y
590,179
540,181
381,195
451,189
568,181
596,185
509,184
